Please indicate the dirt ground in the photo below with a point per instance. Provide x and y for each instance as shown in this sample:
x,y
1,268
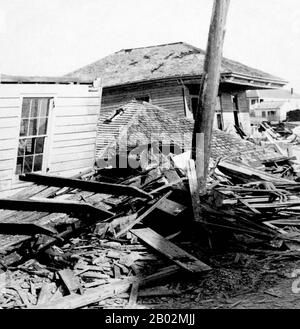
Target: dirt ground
x,y
239,280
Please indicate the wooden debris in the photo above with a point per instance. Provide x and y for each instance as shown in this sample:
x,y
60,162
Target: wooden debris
x,y
133,295
71,281
94,295
45,293
170,250
171,207
97,187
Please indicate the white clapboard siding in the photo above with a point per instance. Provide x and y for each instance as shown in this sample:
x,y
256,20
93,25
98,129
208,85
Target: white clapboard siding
x,y
9,122
71,129
7,154
77,101
74,136
62,144
5,164
5,184
9,102
6,174
76,120
60,158
74,149
72,165
70,111
6,133
9,112
6,144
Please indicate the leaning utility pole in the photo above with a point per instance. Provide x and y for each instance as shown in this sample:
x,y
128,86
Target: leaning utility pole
x,y
201,144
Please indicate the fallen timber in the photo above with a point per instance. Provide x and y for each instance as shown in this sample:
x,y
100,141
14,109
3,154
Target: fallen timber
x,y
104,258
53,206
97,187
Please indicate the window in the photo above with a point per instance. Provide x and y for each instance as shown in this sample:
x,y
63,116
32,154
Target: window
x,y
253,101
33,132
263,114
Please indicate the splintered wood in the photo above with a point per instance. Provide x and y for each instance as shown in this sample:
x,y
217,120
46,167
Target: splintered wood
x,y
170,250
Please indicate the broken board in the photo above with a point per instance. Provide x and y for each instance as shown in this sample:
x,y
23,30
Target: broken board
x,y
170,250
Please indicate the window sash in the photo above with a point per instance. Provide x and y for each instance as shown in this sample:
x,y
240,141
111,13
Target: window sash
x,y
34,127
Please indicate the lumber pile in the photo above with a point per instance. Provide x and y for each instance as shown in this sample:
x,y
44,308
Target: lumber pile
x,y
76,242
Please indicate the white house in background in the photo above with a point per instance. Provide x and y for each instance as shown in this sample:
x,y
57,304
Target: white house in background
x,y
269,111
46,125
271,104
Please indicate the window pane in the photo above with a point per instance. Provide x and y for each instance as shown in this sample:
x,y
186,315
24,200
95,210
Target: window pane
x,y
19,165
39,145
34,108
21,148
38,160
28,164
43,126
24,127
29,142
44,107
33,127
25,107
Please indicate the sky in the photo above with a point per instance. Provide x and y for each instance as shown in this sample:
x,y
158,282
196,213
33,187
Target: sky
x,y
43,37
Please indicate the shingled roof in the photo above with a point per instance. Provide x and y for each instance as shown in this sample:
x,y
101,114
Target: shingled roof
x,y
140,123
176,60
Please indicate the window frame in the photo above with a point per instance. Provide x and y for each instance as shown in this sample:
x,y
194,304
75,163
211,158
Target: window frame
x,y
48,135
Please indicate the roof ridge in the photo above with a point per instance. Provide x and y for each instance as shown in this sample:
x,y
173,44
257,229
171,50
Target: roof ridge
x,y
161,45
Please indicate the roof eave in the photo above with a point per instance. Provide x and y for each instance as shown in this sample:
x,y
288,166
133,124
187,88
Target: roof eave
x,y
228,77
10,79
254,82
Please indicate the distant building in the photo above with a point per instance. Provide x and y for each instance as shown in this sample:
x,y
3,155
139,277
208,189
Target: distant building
x,y
169,76
272,104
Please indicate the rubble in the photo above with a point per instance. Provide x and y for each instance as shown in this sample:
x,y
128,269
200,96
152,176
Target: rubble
x,y
112,233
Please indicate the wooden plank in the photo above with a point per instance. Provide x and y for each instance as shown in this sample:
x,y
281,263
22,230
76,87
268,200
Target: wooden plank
x,y
194,191
52,205
45,293
142,216
134,293
25,229
94,295
170,250
97,187
71,281
171,207
251,173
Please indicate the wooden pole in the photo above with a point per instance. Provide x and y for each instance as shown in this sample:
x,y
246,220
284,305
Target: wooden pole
x,y
208,92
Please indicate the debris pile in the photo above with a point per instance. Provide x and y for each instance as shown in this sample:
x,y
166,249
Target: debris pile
x,y
75,242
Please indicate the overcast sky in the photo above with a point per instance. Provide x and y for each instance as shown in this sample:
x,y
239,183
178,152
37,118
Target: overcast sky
x,y
54,37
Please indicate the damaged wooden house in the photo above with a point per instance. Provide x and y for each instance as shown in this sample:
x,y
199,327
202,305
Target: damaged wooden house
x,y
169,76
47,125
